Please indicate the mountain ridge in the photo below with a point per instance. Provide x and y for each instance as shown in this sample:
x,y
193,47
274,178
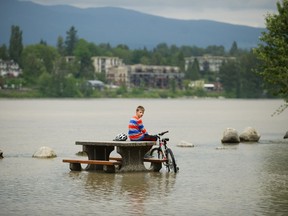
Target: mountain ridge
x,y
118,26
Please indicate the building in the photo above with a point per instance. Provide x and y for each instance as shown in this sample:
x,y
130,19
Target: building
x,y
154,76
118,75
207,62
103,63
151,76
9,68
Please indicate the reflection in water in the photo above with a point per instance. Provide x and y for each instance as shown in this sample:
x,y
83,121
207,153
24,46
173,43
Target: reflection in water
x,y
131,192
275,181
143,188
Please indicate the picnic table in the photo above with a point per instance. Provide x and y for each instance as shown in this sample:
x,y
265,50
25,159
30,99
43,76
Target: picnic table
x,y
132,156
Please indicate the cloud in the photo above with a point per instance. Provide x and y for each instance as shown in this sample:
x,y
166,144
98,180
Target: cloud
x,y
246,12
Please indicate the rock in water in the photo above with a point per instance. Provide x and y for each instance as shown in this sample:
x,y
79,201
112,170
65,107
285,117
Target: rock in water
x,y
44,152
286,135
185,144
1,154
230,135
249,135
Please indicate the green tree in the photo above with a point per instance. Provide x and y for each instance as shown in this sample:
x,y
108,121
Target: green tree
x,y
123,52
83,54
38,59
229,75
61,46
71,41
4,52
15,45
234,49
193,70
251,83
273,52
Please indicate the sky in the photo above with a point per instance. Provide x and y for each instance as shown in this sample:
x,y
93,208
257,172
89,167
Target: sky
x,y
242,12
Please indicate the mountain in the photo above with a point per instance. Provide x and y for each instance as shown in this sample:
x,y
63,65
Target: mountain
x,y
117,26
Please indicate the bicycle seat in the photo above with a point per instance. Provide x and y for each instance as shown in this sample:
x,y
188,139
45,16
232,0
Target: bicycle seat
x,y
165,139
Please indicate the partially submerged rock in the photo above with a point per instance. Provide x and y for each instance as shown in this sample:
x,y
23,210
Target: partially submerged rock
x,y
230,135
286,135
185,144
44,152
1,154
249,135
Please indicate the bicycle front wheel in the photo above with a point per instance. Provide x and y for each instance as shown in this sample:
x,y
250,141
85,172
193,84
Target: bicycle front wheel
x,y
171,163
157,153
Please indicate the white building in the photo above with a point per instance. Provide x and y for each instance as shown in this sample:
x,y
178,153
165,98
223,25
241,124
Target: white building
x,y
9,68
103,63
207,62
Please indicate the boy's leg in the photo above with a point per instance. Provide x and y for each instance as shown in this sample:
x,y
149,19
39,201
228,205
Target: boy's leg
x,y
148,137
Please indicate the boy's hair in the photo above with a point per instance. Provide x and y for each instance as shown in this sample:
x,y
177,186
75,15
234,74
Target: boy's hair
x,y
140,108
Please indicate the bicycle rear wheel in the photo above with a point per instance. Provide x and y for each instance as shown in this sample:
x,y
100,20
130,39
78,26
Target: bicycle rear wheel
x,y
171,163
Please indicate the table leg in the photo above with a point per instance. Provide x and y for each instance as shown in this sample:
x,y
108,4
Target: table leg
x,y
97,153
132,158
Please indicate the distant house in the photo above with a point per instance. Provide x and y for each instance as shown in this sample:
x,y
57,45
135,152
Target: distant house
x,y
103,63
9,68
118,75
152,76
207,62
155,76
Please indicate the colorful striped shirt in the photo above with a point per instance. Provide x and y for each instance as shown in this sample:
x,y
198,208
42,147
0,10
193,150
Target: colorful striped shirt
x,y
136,129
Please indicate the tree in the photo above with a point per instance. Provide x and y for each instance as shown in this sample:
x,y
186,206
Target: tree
x,y
193,70
273,52
71,40
4,52
15,45
38,59
234,49
61,46
229,75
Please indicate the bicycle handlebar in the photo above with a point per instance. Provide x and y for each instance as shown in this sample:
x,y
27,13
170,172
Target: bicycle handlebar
x,y
162,133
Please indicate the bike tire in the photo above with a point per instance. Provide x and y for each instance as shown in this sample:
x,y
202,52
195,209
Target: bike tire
x,y
171,163
157,153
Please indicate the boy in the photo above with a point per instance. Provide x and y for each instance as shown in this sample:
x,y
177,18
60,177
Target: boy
x,y
137,131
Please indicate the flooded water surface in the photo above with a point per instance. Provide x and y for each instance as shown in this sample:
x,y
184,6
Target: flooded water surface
x,y
214,179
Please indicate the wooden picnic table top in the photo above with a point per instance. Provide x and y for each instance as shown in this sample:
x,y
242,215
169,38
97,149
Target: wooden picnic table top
x,y
117,143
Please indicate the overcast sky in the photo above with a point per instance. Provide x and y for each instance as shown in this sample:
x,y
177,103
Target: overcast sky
x,y
246,12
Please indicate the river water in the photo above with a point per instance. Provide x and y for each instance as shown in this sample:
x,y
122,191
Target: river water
x,y
242,179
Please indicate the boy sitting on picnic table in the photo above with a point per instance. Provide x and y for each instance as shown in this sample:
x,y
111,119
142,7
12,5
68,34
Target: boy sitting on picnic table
x,y
137,131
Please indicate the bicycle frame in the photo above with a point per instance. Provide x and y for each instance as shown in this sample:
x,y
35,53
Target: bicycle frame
x,y
163,152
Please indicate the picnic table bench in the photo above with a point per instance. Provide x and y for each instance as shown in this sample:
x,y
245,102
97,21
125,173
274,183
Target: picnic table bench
x,y
132,156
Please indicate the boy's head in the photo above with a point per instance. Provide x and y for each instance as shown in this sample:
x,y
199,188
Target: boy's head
x,y
140,111
140,108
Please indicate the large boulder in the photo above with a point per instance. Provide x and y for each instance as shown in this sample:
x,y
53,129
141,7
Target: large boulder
x,y
230,135
249,135
44,152
286,135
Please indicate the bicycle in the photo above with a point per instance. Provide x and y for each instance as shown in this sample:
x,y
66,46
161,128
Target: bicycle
x,y
164,153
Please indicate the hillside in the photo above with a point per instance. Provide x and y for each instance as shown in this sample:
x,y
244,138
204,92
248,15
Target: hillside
x,y
117,26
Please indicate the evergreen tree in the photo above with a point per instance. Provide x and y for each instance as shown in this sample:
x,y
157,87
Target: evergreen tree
x,y
71,41
15,45
234,49
230,78
4,52
61,46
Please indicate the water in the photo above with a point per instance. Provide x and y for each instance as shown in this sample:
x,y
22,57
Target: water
x,y
243,179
